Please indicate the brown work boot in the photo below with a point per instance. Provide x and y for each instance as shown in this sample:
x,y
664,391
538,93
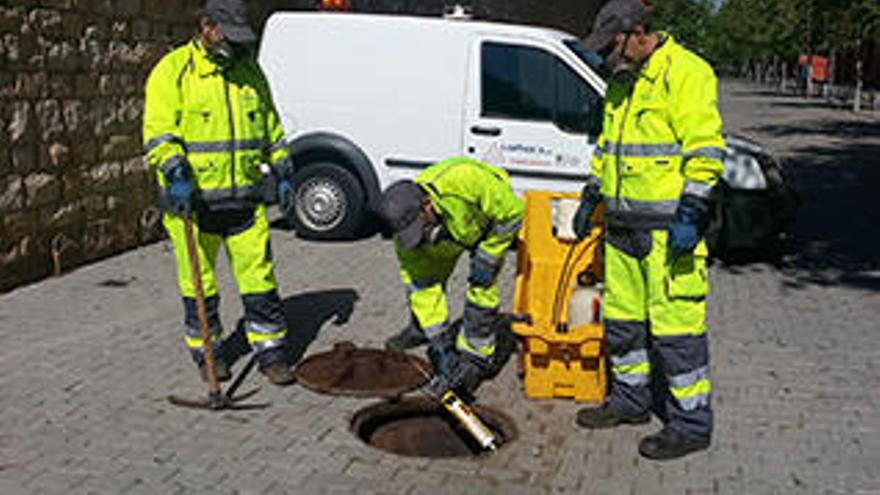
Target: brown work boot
x,y
224,374
606,416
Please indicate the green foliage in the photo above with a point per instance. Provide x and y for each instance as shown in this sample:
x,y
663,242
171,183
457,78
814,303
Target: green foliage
x,y
729,31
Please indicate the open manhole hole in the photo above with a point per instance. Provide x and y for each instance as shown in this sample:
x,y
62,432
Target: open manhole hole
x,y
349,370
420,427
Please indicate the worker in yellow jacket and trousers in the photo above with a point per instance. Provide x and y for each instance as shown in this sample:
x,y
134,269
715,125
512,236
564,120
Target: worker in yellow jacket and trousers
x,y
209,126
453,206
659,155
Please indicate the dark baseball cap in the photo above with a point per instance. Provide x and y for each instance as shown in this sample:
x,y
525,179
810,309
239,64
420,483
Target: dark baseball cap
x,y
231,15
402,209
617,16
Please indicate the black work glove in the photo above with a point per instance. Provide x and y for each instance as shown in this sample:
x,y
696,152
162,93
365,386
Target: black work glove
x,y
590,199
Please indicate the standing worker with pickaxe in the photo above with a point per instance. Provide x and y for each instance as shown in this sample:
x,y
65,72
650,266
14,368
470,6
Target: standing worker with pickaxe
x,y
659,155
209,125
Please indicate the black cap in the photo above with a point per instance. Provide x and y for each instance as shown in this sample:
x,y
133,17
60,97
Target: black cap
x,y
617,16
402,209
231,15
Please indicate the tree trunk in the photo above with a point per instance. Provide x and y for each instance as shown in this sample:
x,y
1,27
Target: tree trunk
x,y
857,97
783,77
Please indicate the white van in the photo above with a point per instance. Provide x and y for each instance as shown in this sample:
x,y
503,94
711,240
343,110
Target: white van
x,y
370,99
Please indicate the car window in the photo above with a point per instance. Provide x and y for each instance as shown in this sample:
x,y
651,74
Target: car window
x,y
527,83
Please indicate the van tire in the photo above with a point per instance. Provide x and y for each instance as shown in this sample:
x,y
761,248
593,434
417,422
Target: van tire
x,y
329,202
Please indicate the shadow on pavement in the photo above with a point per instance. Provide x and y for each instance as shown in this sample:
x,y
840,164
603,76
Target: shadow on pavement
x,y
304,315
835,238
307,313
833,128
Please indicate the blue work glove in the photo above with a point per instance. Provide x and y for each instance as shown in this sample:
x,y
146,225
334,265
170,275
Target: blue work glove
x,y
483,271
180,188
285,195
590,199
690,223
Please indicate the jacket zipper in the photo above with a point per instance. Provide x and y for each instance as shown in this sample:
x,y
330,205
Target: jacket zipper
x,y
620,146
231,136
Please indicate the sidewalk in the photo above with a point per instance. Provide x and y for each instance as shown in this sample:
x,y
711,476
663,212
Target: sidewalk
x,y
87,360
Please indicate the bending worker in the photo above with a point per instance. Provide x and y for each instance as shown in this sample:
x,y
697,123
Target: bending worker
x,y
209,124
453,206
659,155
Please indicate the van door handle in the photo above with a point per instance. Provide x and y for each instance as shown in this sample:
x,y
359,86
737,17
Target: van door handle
x,y
486,131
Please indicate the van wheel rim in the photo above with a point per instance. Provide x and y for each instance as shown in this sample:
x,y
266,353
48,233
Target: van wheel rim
x,y
321,204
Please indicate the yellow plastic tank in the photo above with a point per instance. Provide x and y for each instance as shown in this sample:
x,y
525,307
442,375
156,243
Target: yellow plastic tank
x,y
558,360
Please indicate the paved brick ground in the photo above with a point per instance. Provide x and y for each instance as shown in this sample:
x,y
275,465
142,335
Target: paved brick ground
x,y
86,361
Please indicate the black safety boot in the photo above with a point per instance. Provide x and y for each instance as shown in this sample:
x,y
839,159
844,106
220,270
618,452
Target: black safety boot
x,y
668,444
408,338
223,372
273,364
606,416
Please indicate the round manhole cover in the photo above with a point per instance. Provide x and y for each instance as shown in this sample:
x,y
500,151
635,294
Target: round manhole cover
x,y
420,427
348,370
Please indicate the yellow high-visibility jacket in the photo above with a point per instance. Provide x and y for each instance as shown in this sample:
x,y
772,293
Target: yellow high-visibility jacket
x,y
222,122
476,205
661,138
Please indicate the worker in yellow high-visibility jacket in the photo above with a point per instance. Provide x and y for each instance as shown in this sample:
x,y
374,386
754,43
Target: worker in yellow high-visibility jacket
x,y
209,125
453,206
659,155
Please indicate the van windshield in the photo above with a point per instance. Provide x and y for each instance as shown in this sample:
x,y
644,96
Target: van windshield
x,y
589,57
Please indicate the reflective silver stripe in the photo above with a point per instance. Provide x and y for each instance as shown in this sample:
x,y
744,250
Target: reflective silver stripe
x,y
598,152
631,379
196,333
690,378
488,258
633,358
265,345
708,152
510,228
171,163
654,208
264,328
691,403
480,343
698,189
644,150
241,192
281,143
435,331
160,140
225,146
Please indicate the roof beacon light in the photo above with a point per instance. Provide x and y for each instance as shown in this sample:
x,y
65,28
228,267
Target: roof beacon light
x,y
458,12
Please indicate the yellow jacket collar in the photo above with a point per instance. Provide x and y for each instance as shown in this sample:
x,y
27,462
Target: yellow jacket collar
x,y
203,64
658,60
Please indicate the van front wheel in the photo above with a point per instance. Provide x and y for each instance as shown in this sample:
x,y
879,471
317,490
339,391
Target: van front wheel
x,y
329,202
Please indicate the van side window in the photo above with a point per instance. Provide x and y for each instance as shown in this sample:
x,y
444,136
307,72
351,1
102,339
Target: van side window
x,y
526,83
517,82
578,107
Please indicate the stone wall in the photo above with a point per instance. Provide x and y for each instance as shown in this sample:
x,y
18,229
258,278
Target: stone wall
x,y
73,185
